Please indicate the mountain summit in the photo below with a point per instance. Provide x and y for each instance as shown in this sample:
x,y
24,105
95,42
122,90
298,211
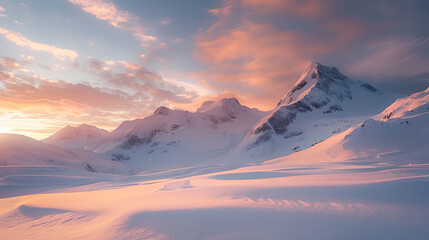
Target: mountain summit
x,y
320,80
321,103
223,110
179,138
75,137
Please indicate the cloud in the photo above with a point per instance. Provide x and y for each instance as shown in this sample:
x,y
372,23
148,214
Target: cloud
x,y
165,21
107,11
103,10
92,42
257,49
401,57
254,60
1,9
58,103
11,63
117,91
138,79
22,41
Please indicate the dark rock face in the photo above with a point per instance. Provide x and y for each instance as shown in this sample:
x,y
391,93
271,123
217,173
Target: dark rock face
x,y
261,139
119,157
333,108
331,82
299,106
174,127
299,86
284,116
89,168
329,73
134,140
265,127
293,134
369,87
279,121
387,116
320,104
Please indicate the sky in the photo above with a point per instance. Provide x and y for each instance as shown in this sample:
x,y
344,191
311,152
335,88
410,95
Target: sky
x,y
100,62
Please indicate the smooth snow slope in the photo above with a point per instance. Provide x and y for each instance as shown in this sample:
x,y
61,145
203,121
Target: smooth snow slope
x,y
18,150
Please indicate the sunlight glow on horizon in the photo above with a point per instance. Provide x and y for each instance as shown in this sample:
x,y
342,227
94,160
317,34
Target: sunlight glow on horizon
x,y
5,130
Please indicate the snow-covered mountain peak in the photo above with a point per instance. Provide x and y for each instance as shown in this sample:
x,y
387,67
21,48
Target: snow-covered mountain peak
x,y
413,105
318,80
319,88
162,111
75,137
321,103
173,136
225,109
224,103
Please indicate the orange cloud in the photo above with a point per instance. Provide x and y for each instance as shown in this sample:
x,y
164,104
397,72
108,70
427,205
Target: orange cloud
x,y
128,91
57,91
252,56
255,61
63,105
22,41
9,63
26,102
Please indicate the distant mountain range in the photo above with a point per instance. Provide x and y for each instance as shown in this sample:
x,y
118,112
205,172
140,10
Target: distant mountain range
x,y
321,104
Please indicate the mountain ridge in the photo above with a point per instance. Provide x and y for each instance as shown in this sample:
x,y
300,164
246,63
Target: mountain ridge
x,y
321,103
75,137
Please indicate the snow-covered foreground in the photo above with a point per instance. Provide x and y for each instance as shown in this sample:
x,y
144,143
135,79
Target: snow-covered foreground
x,y
363,183
343,200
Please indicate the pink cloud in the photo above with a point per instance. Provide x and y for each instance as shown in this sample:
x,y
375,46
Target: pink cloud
x,y
22,41
11,63
165,21
103,10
